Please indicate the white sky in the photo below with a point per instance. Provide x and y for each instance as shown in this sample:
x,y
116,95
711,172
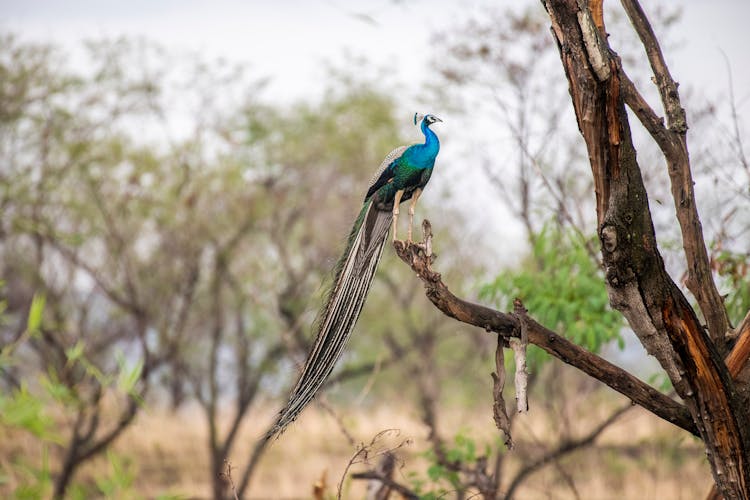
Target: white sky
x,y
289,40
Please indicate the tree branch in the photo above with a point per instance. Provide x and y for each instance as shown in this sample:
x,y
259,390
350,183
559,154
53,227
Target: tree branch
x,y
638,283
738,356
400,488
564,449
673,143
507,325
667,86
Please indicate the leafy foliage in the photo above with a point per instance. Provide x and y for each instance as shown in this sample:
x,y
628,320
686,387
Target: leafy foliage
x,y
34,408
563,288
734,269
444,474
119,483
172,256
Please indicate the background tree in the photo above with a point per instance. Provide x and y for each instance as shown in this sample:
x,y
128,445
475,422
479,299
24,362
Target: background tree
x,y
178,265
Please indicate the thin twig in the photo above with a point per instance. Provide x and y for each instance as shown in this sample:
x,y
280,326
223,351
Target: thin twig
x,y
736,135
323,402
226,475
400,488
365,452
564,449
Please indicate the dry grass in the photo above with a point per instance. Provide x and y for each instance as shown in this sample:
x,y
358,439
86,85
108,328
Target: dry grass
x,y
639,457
311,447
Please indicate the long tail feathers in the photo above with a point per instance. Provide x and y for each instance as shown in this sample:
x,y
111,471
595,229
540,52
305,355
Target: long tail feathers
x,y
352,282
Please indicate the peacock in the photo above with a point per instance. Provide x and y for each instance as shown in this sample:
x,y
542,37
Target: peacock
x,y
402,176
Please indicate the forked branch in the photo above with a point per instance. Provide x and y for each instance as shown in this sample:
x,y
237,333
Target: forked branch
x,y
638,284
672,140
419,257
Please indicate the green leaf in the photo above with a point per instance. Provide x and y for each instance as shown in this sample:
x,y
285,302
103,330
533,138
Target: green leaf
x,y
435,472
563,288
33,323
75,353
120,480
35,313
128,377
57,390
39,482
24,410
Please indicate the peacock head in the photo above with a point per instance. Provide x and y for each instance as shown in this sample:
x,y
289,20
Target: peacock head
x,y
427,119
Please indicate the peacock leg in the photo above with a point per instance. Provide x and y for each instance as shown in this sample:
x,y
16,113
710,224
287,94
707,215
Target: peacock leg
x,y
396,203
414,199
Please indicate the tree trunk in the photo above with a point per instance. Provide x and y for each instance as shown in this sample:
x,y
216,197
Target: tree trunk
x,y
218,480
637,281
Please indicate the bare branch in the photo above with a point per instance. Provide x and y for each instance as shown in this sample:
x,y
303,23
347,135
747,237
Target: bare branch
x,y
653,123
323,403
565,448
670,98
365,452
400,488
507,325
638,283
673,143
736,135
499,412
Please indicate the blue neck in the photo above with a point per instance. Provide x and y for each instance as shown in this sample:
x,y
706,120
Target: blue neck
x,y
431,141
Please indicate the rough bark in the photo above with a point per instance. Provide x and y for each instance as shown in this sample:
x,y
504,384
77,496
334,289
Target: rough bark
x,y
508,325
672,139
637,281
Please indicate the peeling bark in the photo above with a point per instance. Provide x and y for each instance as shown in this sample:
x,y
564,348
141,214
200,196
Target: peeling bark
x,y
637,281
499,411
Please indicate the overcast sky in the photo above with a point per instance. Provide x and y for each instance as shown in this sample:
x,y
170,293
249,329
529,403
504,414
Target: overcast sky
x,y
290,40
